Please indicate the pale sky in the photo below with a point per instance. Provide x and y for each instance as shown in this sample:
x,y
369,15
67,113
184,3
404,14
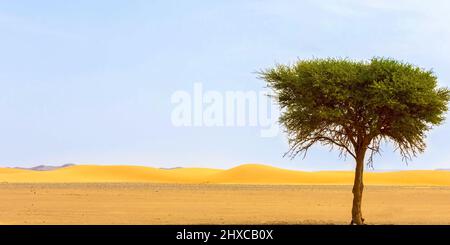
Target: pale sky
x,y
90,82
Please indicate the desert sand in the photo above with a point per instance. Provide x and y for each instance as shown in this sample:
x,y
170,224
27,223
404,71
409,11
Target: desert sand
x,y
248,194
146,203
244,174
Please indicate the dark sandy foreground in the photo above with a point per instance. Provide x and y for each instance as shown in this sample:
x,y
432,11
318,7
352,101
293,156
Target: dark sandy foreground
x,y
121,203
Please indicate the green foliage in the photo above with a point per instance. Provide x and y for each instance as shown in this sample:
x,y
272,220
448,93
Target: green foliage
x,y
354,105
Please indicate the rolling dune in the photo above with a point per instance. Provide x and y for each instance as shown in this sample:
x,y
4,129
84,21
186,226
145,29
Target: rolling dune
x,y
244,174
247,194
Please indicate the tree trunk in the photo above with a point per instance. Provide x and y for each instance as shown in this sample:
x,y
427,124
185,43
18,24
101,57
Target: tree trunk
x,y
358,187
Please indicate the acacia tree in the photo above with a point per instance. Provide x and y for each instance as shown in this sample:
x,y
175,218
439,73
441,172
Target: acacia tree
x,y
354,106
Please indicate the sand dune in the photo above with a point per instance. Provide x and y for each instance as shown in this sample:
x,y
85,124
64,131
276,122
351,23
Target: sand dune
x,y
244,174
257,194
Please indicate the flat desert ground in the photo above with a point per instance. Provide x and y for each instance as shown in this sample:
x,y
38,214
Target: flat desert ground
x,y
248,194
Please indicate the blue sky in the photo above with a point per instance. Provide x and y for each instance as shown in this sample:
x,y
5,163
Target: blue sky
x,y
91,81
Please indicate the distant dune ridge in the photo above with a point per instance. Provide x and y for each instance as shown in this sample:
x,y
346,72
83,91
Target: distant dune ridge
x,y
47,167
243,174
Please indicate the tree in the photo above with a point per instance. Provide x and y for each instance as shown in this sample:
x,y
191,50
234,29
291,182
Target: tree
x,y
356,105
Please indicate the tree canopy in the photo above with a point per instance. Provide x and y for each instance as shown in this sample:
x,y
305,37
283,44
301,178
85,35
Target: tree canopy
x,y
354,105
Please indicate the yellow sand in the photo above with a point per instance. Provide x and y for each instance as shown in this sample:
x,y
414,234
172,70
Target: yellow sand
x,y
244,174
150,203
